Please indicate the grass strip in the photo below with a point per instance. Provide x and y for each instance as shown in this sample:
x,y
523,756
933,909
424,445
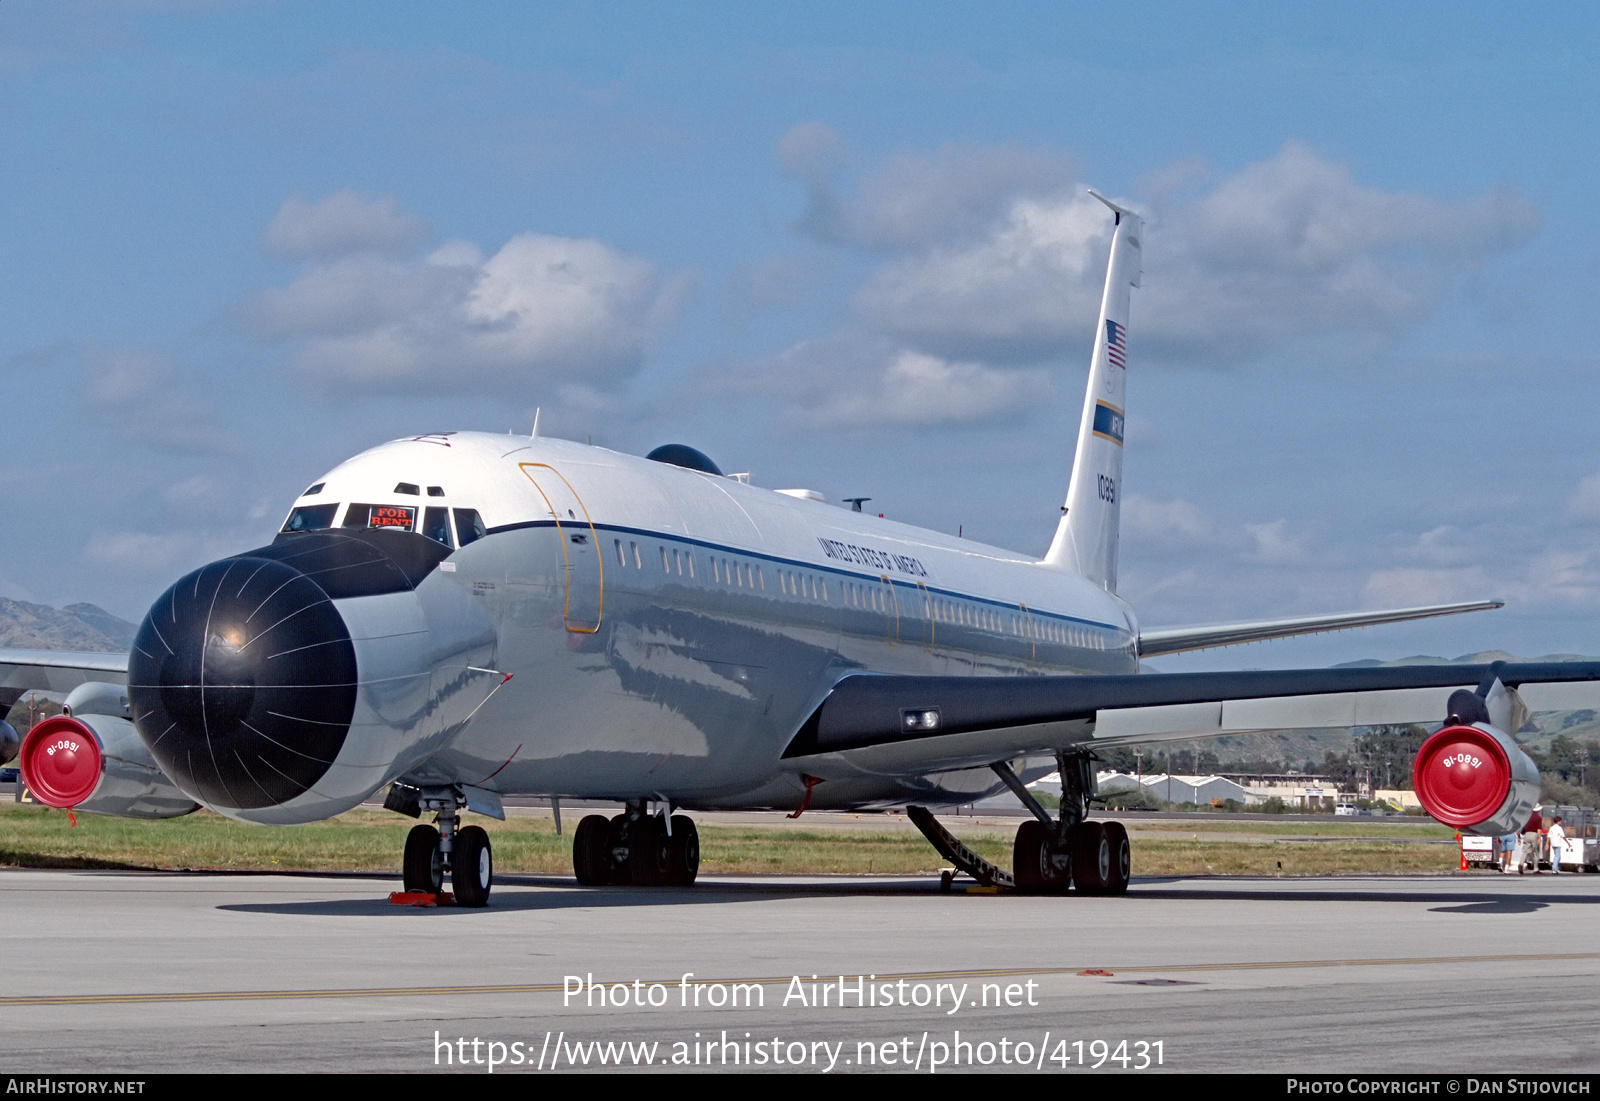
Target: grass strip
x,y
371,841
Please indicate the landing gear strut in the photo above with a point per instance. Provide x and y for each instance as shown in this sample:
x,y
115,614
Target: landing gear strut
x,y
1051,854
637,847
464,852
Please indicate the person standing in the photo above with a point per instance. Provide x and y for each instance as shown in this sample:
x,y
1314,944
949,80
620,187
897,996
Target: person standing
x,y
1531,839
1558,840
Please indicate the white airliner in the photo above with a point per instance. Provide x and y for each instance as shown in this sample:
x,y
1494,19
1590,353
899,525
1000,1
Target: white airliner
x,y
463,616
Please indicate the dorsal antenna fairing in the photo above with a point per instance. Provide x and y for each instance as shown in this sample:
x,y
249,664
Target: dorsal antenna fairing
x,y
1086,538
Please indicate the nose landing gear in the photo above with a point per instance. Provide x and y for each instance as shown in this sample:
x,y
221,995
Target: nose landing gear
x,y
433,851
636,847
423,866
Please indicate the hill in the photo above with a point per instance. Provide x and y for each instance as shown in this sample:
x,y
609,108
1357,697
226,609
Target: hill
x,y
25,626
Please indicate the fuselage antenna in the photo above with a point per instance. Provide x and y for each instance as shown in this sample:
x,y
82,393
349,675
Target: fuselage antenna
x,y
535,433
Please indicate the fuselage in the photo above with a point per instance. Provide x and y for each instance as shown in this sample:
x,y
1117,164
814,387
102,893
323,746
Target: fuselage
x,y
665,631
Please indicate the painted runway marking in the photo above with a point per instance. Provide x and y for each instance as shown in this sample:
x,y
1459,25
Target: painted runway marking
x,y
909,976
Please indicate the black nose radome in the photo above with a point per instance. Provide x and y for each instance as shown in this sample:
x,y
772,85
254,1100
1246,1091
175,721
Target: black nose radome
x,y
242,683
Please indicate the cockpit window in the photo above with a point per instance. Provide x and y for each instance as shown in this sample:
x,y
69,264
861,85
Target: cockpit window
x,y
391,517
311,518
436,525
469,526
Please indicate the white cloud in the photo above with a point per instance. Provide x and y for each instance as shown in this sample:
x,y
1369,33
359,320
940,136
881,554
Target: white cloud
x,y
1585,503
117,378
1174,524
1444,546
541,309
914,198
357,294
1000,259
1292,249
848,381
1178,526
149,401
813,152
1274,545
1558,578
161,555
196,490
1022,291
1562,575
343,222
1405,587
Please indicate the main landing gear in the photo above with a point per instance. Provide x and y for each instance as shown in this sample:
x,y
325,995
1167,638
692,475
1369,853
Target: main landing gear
x,y
1049,855
636,847
433,851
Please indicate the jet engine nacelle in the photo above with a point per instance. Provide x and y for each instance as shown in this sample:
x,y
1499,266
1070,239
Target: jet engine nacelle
x,y
287,684
1477,779
99,765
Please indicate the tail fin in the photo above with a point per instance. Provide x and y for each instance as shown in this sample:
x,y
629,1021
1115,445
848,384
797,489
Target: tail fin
x,y
1086,540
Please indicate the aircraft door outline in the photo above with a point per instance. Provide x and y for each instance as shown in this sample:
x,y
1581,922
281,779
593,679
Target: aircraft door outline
x,y
574,567
891,607
927,612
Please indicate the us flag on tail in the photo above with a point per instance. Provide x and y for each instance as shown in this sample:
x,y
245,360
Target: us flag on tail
x,y
1116,344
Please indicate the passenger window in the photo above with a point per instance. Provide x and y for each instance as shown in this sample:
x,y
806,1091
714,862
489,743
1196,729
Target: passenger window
x,y
621,561
436,525
664,567
311,518
469,526
638,563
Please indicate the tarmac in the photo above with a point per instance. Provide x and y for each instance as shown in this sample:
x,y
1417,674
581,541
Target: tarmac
x,y
119,973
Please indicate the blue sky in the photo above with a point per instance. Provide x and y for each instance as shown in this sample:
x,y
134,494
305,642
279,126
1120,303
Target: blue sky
x,y
839,246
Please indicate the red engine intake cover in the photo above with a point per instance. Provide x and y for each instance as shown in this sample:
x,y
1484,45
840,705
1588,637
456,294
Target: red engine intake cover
x,y
1461,776
60,762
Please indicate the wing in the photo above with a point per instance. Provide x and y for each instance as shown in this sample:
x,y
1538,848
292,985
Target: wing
x,y
1176,640
55,671
895,723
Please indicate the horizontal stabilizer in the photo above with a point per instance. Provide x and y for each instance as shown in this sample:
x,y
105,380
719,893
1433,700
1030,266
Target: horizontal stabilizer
x,y
1176,640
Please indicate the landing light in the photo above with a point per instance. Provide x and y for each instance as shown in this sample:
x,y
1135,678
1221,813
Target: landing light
x,y
919,720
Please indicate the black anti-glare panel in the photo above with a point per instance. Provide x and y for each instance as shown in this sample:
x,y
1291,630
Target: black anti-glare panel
x,y
242,682
357,562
